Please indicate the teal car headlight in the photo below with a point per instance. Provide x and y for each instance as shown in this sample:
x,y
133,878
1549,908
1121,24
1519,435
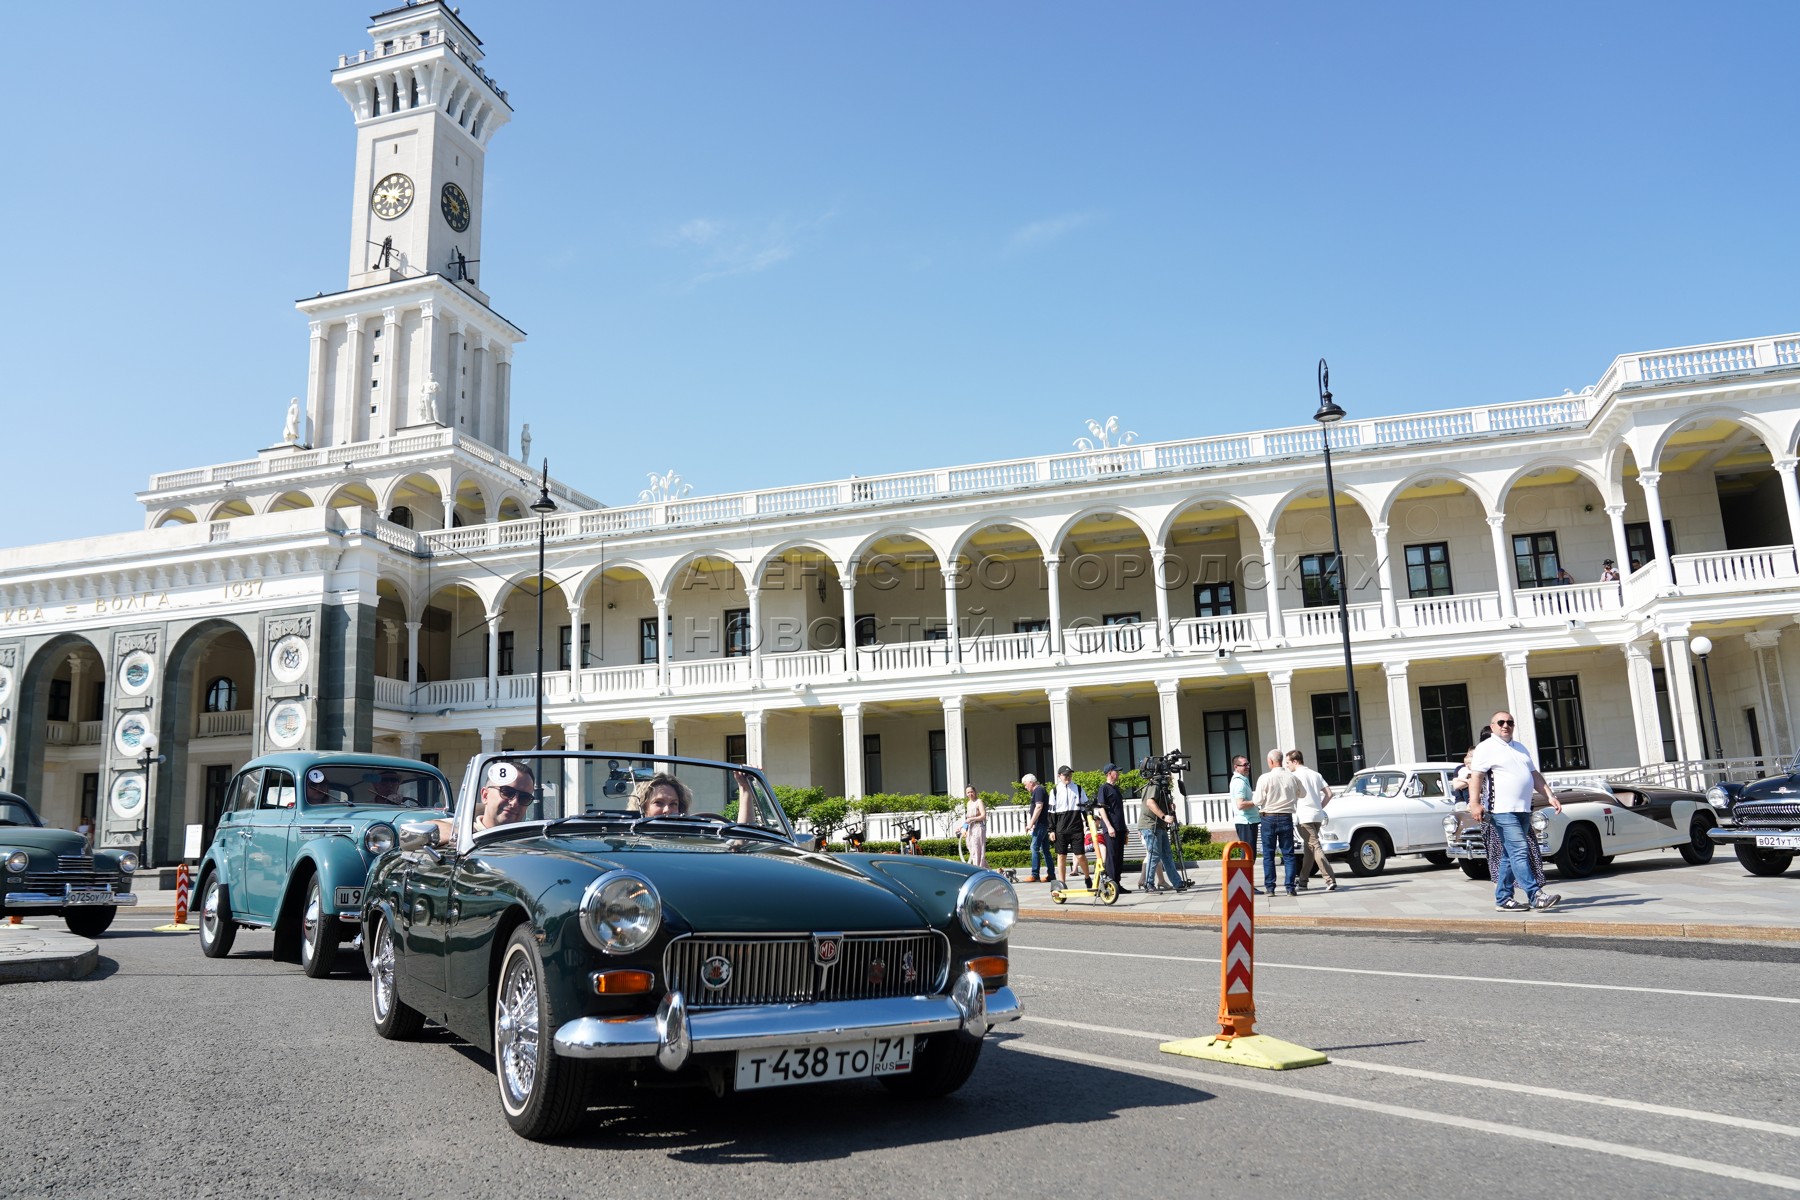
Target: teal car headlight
x,y
17,861
988,907
620,912
128,862
378,838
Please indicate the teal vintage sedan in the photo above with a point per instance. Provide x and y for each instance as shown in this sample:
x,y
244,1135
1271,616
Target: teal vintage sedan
x,y
602,922
294,845
51,871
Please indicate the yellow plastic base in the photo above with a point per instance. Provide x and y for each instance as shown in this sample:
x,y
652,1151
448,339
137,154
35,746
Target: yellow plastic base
x,y
1256,1050
183,928
20,925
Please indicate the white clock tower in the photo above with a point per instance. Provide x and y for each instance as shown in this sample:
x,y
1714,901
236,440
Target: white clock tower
x,y
412,342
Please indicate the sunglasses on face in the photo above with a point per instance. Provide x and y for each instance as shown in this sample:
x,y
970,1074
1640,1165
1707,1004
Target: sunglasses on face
x,y
514,795
1508,724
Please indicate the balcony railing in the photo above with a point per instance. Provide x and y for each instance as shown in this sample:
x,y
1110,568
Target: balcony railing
x,y
224,724
1111,641
1219,633
902,658
1305,623
1006,648
392,693
616,681
72,733
1449,612
1570,600
802,665
1736,568
709,672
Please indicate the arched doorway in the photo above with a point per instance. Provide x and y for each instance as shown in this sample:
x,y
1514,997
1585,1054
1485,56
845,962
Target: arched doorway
x,y
61,708
208,728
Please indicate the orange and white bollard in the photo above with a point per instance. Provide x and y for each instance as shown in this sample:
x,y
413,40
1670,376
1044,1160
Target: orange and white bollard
x,y
179,924
1237,1041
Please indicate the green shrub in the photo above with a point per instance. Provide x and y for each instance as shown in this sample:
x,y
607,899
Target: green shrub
x,y
795,801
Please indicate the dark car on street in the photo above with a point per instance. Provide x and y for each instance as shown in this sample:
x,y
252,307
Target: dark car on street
x,y
51,871
603,922
1760,821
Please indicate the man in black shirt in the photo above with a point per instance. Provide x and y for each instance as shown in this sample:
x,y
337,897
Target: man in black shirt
x,y
1112,821
1040,829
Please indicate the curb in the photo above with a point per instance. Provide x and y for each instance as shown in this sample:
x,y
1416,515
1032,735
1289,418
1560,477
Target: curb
x,y
1545,926
43,967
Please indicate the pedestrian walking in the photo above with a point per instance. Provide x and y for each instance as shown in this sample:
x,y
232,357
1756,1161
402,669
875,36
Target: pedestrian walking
x,y
975,825
1463,788
1112,821
1277,796
1509,778
1039,823
1066,803
1309,814
1243,799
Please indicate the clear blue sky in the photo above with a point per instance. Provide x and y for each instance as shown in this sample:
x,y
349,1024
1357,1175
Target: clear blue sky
x,y
763,243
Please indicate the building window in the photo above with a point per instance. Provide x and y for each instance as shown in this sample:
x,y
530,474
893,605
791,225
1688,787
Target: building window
x,y
647,638
1124,634
1556,714
1128,740
1032,625
1535,560
940,766
1428,570
1331,736
866,633
871,763
506,651
90,793
221,695
1639,548
1215,599
1444,711
565,646
402,516
1227,738
1035,752
934,633
59,700
737,750
215,787
1320,582
96,706
737,632
429,758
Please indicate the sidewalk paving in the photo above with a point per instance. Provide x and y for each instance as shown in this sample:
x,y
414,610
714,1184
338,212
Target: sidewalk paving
x,y
40,950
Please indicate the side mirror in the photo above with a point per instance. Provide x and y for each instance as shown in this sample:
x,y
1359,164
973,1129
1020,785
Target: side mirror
x,y
414,836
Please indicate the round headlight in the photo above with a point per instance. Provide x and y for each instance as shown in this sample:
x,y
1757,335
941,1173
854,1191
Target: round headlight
x,y
988,907
17,861
1715,796
378,838
128,862
1539,822
620,912
1450,826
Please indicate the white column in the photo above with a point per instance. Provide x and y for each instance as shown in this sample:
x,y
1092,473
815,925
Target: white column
x,y
355,384
316,389
1777,713
481,412
425,371
754,593
572,779
503,395
1651,482
952,621
1400,715
755,727
1384,579
853,749
1168,698
453,381
493,679
412,657
496,402
1281,705
956,774
1641,685
1615,517
662,740
490,741
393,397
1062,741
1159,557
1053,578
1518,698
1504,574
1678,669
1272,587
1790,493
575,663
847,581
410,745
662,643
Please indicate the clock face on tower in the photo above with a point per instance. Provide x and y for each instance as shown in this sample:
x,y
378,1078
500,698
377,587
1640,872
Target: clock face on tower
x,y
455,206
392,196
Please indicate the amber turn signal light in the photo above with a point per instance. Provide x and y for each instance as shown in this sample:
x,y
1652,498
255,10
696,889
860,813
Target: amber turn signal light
x,y
622,983
990,967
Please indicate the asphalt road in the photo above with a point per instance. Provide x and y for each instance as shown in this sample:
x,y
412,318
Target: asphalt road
x,y
1462,1067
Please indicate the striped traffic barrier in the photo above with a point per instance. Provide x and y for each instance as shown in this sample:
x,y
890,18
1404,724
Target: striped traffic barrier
x,y
1237,1040
180,925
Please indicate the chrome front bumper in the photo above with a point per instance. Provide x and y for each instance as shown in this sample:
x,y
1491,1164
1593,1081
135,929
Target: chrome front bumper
x,y
1733,833
674,1033
46,900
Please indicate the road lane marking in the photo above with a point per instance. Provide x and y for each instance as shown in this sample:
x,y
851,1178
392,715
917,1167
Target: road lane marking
x,y
1525,1089
1548,983
1458,1121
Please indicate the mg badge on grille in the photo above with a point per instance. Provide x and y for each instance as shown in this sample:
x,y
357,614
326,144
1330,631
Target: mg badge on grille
x,y
826,947
877,973
715,972
909,971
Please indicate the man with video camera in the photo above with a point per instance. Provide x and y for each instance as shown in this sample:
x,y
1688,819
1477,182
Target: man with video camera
x,y
1159,821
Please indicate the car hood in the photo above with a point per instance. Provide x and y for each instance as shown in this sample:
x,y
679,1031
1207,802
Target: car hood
x,y
52,841
760,887
368,814
1776,787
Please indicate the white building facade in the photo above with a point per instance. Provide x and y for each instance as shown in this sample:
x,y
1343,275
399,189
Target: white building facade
x,y
371,582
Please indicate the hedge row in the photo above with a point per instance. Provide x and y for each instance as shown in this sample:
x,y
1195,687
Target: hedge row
x,y
828,812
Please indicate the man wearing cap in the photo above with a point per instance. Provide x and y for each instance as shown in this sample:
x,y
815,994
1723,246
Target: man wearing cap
x,y
1112,821
1065,807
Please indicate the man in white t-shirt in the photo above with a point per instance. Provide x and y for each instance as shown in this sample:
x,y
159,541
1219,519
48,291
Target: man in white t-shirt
x,y
1509,779
1309,814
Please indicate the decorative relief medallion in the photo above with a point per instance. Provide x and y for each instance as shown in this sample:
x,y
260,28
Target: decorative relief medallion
x,y
6,683
128,734
127,797
125,643
9,656
137,673
287,725
289,659
280,627
2,741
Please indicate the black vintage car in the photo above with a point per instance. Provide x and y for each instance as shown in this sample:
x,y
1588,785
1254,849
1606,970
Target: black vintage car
x,y
51,871
1760,821
597,921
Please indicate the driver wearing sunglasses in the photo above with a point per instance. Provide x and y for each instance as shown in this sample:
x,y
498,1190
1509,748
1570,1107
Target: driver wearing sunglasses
x,y
506,795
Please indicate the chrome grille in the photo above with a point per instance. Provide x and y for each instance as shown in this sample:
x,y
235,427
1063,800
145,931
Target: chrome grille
x,y
53,881
313,831
1780,815
1471,839
779,969
75,862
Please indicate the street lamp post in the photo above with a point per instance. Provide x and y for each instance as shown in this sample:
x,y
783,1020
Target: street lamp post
x,y
147,758
543,506
1330,414
1702,647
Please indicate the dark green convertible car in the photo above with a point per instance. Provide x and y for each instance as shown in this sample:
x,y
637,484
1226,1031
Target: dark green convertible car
x,y
599,921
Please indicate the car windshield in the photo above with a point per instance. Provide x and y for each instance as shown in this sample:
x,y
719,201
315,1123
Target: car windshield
x,y
361,785
1379,783
653,794
16,812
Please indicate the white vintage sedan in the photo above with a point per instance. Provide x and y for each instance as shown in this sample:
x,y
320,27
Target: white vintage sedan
x,y
1597,823
1384,811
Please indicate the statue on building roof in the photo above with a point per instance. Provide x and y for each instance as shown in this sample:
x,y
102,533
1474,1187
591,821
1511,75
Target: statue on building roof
x,y
290,429
428,413
525,441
